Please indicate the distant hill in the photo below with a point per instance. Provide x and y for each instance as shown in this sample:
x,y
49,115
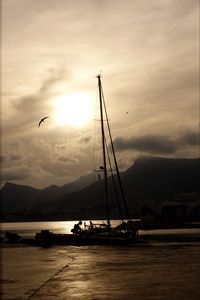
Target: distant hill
x,y
162,178
15,197
150,181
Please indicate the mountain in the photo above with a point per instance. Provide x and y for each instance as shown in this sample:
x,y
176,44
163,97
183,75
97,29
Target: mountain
x,y
55,192
15,197
150,181
162,177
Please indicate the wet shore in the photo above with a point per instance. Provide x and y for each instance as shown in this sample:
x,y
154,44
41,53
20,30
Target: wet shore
x,y
151,271
166,267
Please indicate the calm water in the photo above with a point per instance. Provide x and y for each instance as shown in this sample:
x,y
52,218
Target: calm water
x,y
28,229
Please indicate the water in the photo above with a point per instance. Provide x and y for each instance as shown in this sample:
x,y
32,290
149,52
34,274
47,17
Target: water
x,y
28,230
167,267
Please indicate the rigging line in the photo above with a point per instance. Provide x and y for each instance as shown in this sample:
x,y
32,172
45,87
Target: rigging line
x,y
94,149
115,160
49,279
103,146
95,146
113,181
94,158
199,128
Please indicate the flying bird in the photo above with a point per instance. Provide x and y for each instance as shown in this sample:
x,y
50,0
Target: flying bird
x,y
42,120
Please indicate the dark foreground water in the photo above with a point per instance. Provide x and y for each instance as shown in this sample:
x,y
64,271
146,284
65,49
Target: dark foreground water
x,y
164,268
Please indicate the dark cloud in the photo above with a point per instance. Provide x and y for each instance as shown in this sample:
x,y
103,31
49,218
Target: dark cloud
x,y
156,144
85,139
29,102
30,108
14,157
149,143
190,138
53,78
10,174
60,147
2,158
64,159
67,160
15,145
10,157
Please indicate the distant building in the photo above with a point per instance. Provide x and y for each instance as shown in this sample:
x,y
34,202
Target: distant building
x,y
195,212
174,213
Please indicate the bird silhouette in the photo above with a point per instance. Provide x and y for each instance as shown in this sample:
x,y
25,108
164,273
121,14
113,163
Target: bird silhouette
x,y
42,120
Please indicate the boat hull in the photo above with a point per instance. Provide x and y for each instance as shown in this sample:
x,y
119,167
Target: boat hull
x,y
70,239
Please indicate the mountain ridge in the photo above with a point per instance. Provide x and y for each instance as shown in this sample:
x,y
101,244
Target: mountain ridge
x,y
149,181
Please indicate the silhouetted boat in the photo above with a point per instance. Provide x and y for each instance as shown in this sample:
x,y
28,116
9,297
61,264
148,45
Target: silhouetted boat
x,y
127,231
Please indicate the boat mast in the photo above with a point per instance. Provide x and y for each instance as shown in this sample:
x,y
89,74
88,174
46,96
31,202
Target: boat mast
x,y
104,150
116,164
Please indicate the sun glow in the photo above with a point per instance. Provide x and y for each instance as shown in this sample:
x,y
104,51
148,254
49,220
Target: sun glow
x,y
73,109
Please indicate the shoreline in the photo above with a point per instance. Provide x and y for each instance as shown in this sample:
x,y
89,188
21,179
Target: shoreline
x,y
141,226
152,239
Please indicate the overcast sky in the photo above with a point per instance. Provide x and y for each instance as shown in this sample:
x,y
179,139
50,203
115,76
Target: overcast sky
x,y
149,57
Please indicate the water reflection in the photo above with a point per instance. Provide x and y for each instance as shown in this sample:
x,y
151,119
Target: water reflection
x,y
28,229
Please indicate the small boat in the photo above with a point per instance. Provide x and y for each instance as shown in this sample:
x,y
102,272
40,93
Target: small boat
x,y
127,231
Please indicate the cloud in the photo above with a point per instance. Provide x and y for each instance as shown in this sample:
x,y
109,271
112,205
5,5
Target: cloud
x,y
67,160
156,144
85,139
190,138
150,143
153,75
54,156
30,108
15,173
54,77
14,157
2,158
8,158
36,100
60,147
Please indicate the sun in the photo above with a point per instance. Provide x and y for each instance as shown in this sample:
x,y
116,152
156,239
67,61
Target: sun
x,y
73,109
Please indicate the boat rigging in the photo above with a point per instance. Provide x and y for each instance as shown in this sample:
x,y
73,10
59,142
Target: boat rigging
x,y
126,232
103,111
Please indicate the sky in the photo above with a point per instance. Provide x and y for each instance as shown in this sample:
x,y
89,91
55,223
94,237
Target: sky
x,y
147,53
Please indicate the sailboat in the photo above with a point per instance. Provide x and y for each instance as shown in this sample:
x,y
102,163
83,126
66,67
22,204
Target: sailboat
x,y
126,232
